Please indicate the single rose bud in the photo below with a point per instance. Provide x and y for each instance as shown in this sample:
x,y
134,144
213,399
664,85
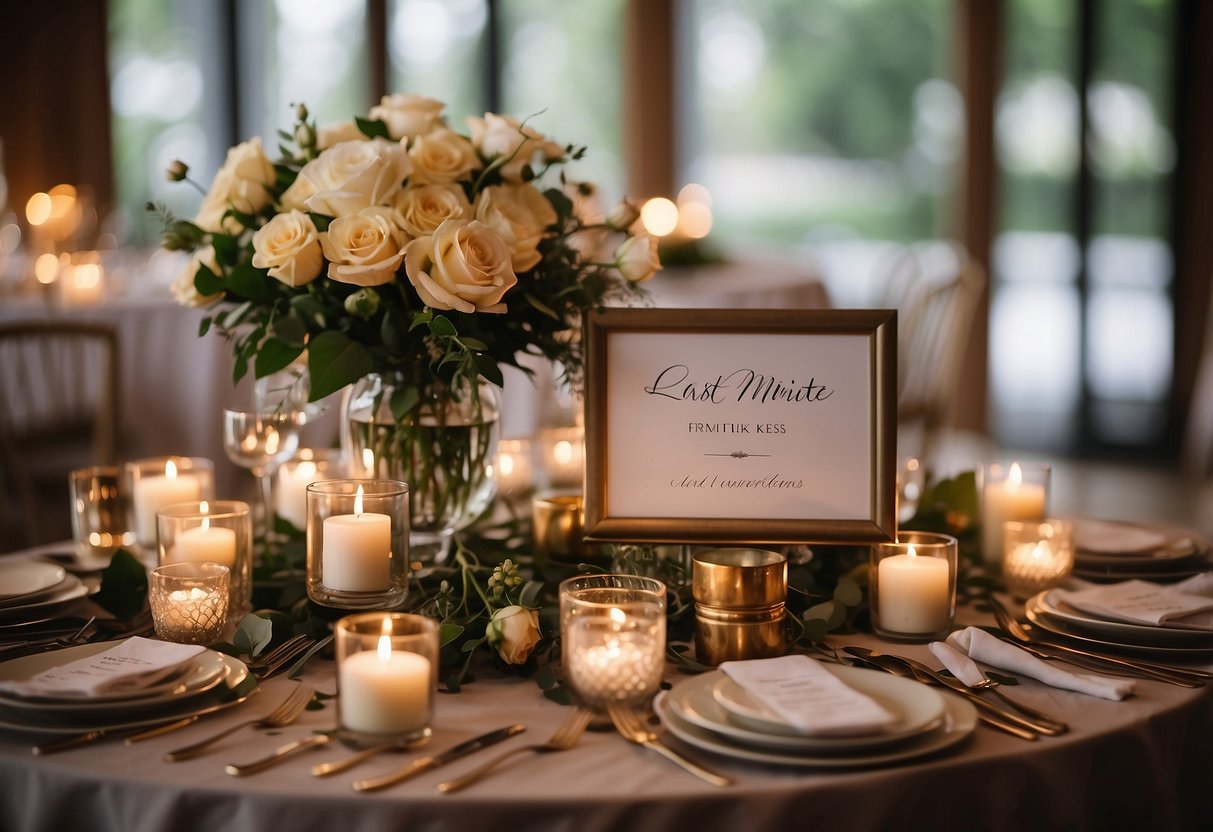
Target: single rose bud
x,y
623,216
301,112
305,136
177,170
363,304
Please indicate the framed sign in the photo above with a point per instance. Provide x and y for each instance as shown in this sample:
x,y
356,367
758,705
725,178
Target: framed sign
x,y
744,426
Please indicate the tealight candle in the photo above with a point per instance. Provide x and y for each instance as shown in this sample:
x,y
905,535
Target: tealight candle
x,y
357,550
913,586
563,452
357,543
1036,555
189,601
1017,493
204,543
387,670
515,468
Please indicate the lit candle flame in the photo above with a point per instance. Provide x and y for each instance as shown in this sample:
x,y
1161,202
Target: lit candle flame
x,y
1015,478
368,459
911,551
358,512
306,468
563,452
385,646
617,615
1038,552
506,463
170,470
205,508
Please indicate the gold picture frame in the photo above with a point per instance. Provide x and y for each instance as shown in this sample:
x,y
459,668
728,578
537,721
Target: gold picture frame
x,y
741,426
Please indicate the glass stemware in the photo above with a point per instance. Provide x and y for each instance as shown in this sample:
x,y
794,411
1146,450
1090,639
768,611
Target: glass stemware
x,y
260,441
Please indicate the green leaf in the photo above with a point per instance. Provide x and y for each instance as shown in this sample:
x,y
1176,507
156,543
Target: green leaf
x,y
848,592
253,634
541,306
469,646
123,591
333,361
321,221
474,344
206,282
487,367
290,330
421,318
232,319
404,399
226,248
448,632
205,326
442,326
529,597
546,677
815,629
250,283
831,612
372,129
559,201
274,356
310,308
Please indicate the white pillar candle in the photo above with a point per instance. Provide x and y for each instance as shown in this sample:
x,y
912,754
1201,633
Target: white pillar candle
x,y
205,543
1010,499
913,593
384,691
154,493
357,551
293,480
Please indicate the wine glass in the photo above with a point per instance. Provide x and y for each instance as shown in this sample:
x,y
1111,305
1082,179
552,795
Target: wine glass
x,y
260,441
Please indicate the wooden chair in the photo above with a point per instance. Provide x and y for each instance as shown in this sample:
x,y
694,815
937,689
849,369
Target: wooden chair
x,y
58,411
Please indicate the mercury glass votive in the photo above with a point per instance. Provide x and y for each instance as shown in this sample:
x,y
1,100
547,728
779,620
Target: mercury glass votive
x,y
912,586
1036,555
189,601
153,483
1015,491
214,531
357,543
387,675
612,635
100,513
740,604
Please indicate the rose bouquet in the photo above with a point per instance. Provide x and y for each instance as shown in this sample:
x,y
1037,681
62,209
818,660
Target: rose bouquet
x,y
398,255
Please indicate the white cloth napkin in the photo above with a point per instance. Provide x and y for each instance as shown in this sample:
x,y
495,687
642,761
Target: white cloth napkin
x,y
1139,602
131,666
980,646
808,697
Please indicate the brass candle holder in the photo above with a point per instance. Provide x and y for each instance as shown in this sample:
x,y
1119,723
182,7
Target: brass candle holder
x,y
740,597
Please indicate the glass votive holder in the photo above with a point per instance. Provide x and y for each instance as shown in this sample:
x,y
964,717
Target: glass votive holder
x,y
357,543
515,468
189,601
100,513
1037,555
557,527
156,482
307,466
612,636
740,604
1018,491
562,456
212,531
912,586
387,675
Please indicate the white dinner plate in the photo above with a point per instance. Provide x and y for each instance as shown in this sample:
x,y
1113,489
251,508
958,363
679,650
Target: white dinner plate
x,y
959,720
701,701
74,589
1051,604
217,698
1046,622
204,672
27,578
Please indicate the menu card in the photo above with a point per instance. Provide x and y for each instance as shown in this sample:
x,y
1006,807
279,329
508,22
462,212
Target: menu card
x,y
1141,602
808,697
130,666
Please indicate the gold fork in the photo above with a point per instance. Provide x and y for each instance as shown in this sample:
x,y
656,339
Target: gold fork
x,y
633,730
283,715
564,738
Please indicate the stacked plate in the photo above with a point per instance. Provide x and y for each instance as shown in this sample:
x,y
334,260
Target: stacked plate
x,y
1108,551
715,714
205,684
1050,612
34,589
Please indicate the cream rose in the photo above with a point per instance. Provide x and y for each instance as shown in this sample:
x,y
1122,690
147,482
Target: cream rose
x,y
348,177
289,246
425,207
636,258
183,289
463,266
497,136
407,116
513,631
521,215
365,248
241,183
442,156
338,132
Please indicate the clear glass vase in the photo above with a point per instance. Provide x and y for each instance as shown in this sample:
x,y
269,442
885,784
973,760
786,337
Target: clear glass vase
x,y
444,449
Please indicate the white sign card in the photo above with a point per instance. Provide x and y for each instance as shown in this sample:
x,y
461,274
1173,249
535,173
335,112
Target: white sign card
x,y
744,426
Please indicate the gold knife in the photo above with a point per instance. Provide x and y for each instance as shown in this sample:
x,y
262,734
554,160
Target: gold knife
x,y
424,764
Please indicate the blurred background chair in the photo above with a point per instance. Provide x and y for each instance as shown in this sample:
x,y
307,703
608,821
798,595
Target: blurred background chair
x,y
58,411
